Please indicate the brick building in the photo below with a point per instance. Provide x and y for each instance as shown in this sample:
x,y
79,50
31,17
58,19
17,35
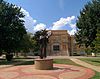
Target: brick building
x,y
61,43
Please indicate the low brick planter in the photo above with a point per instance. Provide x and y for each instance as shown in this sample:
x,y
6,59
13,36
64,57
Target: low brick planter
x,y
44,64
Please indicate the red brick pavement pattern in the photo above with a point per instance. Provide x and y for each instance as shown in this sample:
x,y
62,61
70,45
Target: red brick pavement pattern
x,y
60,71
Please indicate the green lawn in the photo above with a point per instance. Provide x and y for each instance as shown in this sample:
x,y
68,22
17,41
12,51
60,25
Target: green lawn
x,y
64,61
97,75
30,62
93,61
4,62
56,61
16,62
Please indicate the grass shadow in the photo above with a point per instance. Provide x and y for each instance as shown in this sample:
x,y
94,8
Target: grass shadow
x,y
96,61
16,62
25,63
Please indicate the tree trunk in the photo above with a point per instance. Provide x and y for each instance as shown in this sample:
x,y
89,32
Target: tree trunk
x,y
9,56
41,53
45,52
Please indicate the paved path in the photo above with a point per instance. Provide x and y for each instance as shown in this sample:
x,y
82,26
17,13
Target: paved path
x,y
5,66
74,59
60,71
65,57
96,68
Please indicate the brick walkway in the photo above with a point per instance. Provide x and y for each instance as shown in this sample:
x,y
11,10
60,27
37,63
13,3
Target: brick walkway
x,y
96,68
60,71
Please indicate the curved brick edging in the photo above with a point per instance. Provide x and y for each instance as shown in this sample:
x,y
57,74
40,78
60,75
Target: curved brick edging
x,y
60,71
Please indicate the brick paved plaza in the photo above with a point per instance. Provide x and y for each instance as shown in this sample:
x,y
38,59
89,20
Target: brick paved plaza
x,y
60,71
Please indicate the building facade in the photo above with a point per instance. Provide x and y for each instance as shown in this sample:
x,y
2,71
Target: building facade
x,y
59,43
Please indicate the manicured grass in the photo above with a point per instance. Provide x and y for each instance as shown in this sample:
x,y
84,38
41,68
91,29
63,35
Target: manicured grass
x,y
93,61
30,62
26,63
55,61
64,61
16,62
97,75
5,62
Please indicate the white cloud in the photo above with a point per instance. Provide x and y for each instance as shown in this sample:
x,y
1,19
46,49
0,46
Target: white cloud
x,y
62,22
32,26
58,25
39,26
72,25
29,21
72,32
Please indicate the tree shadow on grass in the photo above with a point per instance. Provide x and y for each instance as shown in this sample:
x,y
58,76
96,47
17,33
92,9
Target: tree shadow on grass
x,y
16,62
25,63
96,61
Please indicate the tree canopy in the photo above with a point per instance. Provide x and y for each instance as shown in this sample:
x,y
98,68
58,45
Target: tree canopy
x,y
12,27
88,25
36,38
27,43
41,38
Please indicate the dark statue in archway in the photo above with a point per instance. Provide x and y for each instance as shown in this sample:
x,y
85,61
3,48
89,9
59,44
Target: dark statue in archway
x,y
43,43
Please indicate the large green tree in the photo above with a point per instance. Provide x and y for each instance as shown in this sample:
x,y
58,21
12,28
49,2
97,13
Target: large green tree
x,y
96,42
88,25
36,37
11,27
27,43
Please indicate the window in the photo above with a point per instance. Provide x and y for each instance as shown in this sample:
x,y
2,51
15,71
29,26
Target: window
x,y
56,48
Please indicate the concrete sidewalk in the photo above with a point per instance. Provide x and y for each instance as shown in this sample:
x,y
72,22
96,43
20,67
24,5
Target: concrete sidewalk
x,y
96,68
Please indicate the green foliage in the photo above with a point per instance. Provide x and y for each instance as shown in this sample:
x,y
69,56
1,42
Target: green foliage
x,y
36,38
96,42
11,26
40,43
88,23
88,51
27,43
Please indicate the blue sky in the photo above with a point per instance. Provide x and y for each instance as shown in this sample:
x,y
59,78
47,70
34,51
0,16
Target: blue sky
x,y
50,14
